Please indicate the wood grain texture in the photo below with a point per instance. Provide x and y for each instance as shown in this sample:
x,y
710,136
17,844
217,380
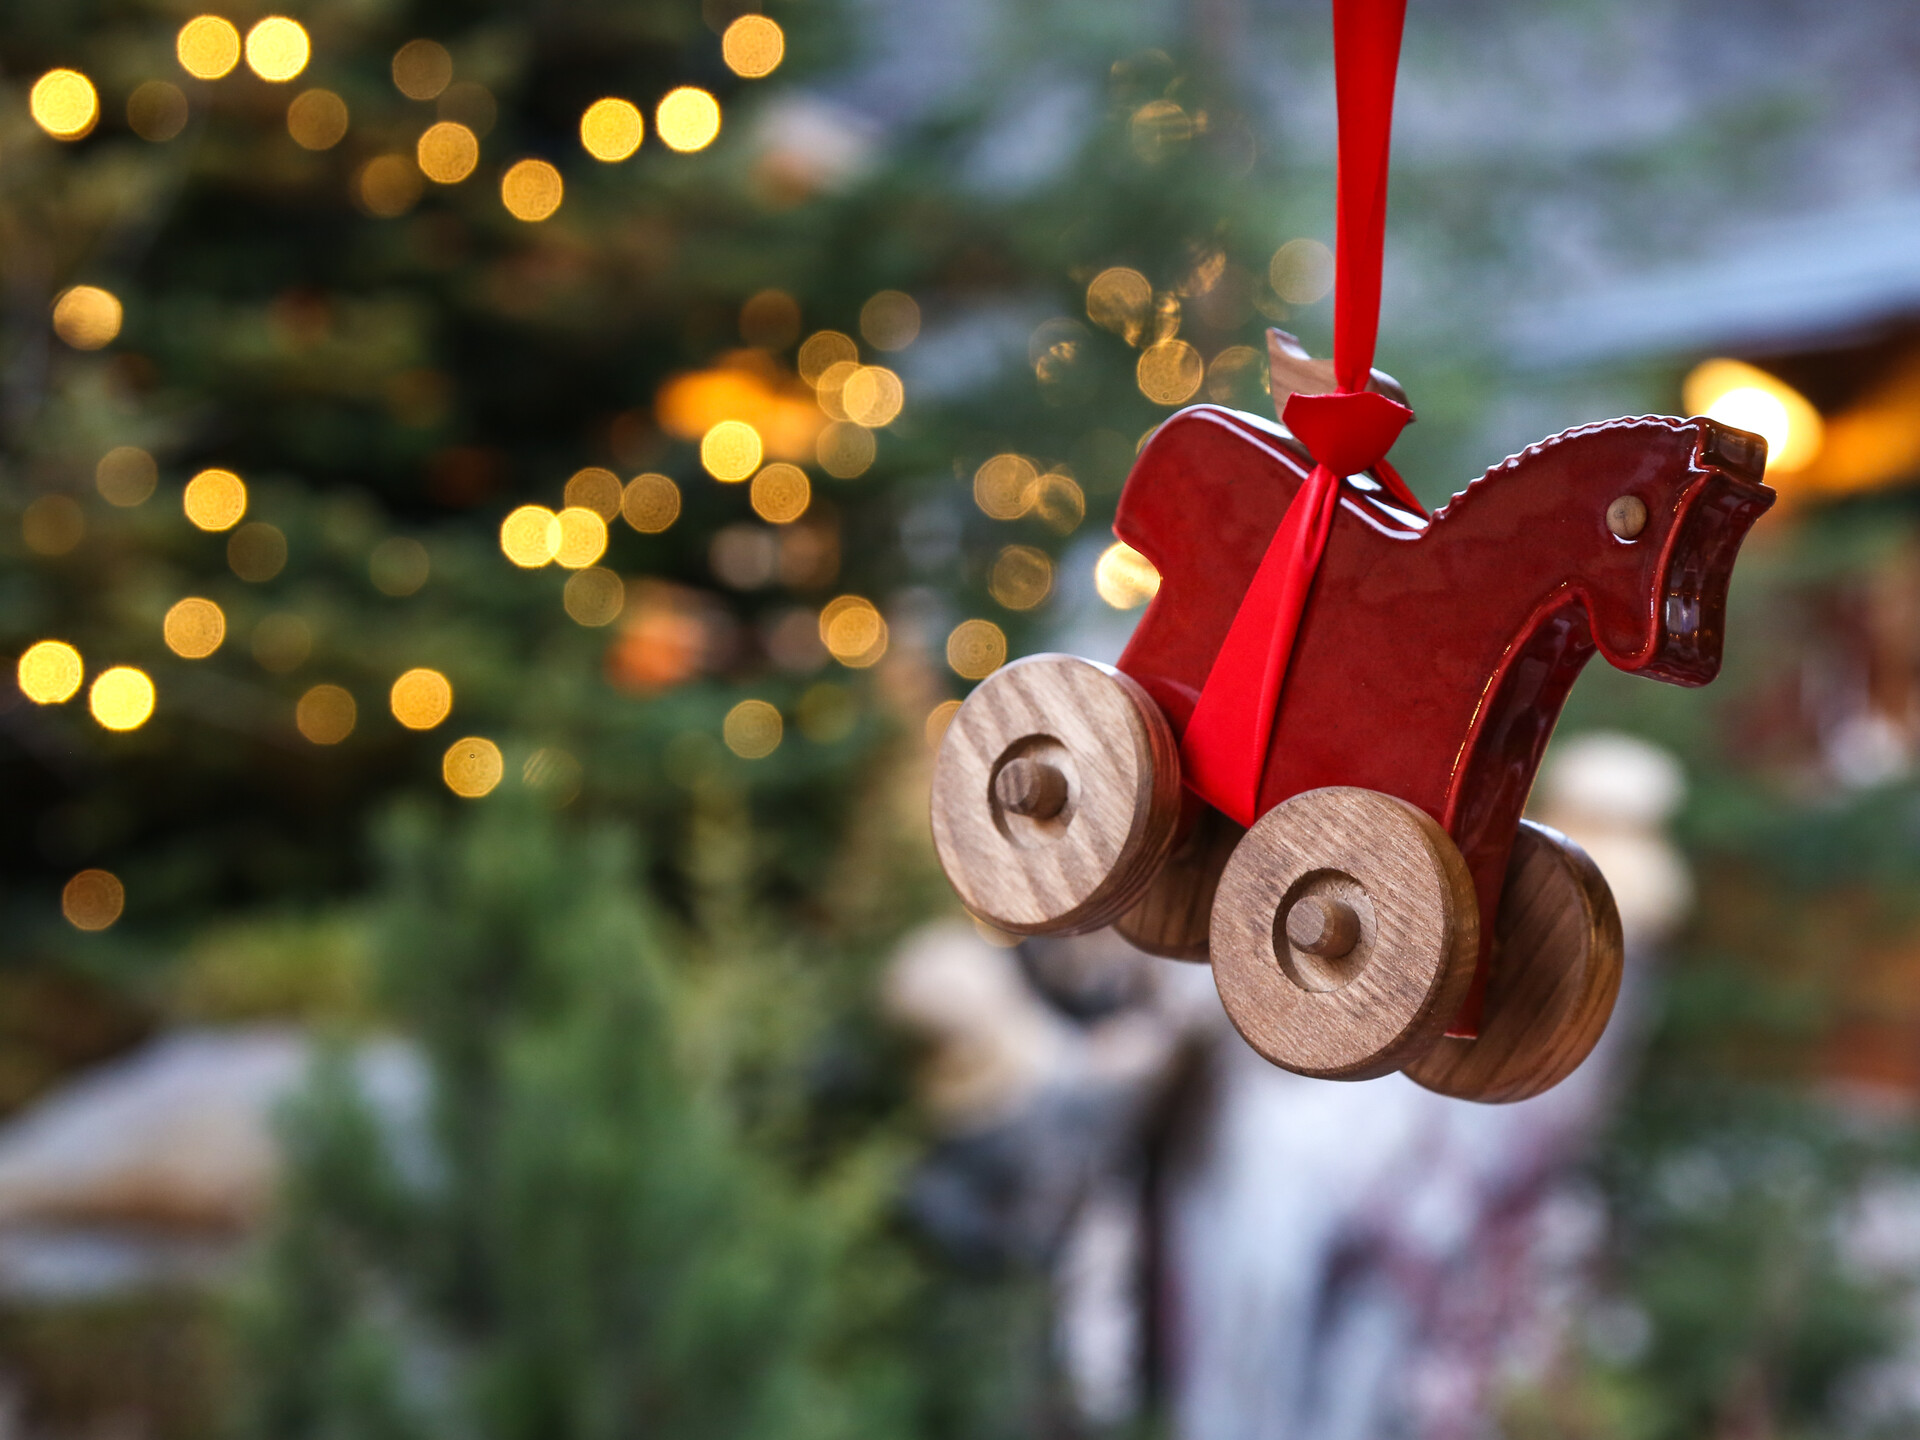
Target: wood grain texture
x,y
1292,369
1173,918
1063,869
1386,1000
1556,972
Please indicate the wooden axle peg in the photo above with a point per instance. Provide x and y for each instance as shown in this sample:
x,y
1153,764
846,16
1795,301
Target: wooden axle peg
x,y
1322,925
1055,796
1030,787
1627,516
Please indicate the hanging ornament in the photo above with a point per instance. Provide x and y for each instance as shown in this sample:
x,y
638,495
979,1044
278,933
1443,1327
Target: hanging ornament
x,y
1310,763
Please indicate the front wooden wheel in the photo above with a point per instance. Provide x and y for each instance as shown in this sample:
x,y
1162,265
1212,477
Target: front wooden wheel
x,y
1556,973
1055,796
1345,933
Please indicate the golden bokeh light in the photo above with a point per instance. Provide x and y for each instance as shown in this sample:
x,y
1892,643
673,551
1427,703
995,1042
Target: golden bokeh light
x,y
1301,271
126,476
422,69
282,642
1169,372
53,525
828,388
472,767
1125,578
1748,398
1058,502
531,190
317,119
976,649
64,104
771,319
215,499
87,317
278,49
207,47
257,552
388,185
50,672
1235,369
530,536
399,566
853,631
194,628
1022,577
1159,128
612,129
752,729
121,698
781,493
595,489
326,714
872,396
938,719
1121,300
651,503
687,119
1003,486
157,110
731,450
447,152
594,597
93,900
845,449
822,351
753,46
421,699
890,320
583,538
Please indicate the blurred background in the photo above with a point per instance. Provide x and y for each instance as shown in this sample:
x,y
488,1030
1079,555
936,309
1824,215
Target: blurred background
x,y
500,501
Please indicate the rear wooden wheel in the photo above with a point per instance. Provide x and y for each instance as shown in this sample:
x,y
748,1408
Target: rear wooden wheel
x,y
1173,917
1344,933
1055,796
1556,973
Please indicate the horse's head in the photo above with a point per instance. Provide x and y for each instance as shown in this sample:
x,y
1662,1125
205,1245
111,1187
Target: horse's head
x,y
1666,511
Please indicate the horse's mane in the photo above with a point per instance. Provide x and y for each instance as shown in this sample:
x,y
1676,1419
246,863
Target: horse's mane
x,y
1539,447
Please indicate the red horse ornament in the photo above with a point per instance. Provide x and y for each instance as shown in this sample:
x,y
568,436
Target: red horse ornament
x,y
1388,908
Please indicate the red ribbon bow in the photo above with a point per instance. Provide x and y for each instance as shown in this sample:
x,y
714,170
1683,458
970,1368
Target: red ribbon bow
x,y
1224,750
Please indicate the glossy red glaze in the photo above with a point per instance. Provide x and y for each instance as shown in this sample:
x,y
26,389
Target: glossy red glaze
x,y
1434,656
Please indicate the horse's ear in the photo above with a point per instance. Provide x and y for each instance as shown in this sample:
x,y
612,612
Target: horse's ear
x,y
1293,370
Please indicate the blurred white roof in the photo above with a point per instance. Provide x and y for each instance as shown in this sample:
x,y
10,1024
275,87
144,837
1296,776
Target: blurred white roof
x,y
1811,280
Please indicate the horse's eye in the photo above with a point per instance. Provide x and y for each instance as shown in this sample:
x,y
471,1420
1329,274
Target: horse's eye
x,y
1627,516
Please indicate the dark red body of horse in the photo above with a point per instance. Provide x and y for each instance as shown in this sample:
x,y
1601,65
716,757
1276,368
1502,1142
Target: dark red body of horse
x,y
1434,656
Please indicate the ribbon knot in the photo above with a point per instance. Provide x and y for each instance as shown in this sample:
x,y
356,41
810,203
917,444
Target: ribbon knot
x,y
1346,433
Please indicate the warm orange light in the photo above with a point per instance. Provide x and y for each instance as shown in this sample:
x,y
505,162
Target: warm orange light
x,y
64,104
531,190
207,47
1748,398
612,129
753,46
688,119
447,153
121,698
1125,578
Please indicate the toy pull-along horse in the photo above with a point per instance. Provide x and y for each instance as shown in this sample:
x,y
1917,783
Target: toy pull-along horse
x,y
1388,909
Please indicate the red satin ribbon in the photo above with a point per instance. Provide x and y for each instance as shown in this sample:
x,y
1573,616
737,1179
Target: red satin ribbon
x,y
1224,750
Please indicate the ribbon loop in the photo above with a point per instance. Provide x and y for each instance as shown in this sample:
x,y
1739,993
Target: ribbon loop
x,y
1223,751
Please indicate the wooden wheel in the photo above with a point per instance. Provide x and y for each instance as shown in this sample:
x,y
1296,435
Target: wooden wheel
x,y
1055,796
1345,933
1556,973
1172,918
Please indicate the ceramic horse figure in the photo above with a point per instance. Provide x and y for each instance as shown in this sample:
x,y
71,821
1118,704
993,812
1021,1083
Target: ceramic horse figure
x,y
1388,890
